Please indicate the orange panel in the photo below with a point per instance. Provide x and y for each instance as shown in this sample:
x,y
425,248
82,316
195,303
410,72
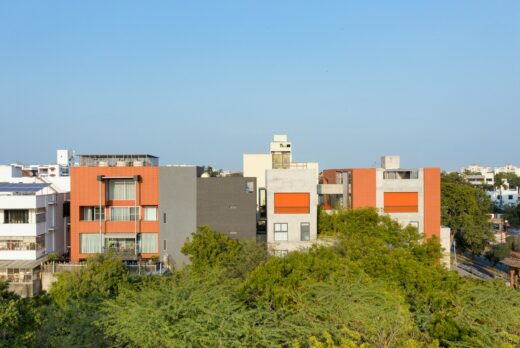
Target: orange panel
x,y
364,188
401,202
291,203
432,202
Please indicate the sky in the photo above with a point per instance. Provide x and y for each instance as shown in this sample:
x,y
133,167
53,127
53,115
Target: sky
x,y
202,82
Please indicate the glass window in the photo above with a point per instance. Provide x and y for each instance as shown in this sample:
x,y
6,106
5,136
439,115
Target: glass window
x,y
250,187
16,216
92,213
124,213
22,243
120,245
149,242
121,189
414,224
89,243
150,213
281,231
305,231
41,215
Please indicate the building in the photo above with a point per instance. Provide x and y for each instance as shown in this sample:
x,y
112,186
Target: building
x,y
129,206
504,196
287,200
292,202
480,175
225,204
114,206
32,225
410,196
279,157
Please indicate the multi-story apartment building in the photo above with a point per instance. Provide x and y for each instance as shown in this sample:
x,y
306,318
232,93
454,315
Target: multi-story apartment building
x,y
114,206
287,199
479,175
410,196
292,202
129,206
32,225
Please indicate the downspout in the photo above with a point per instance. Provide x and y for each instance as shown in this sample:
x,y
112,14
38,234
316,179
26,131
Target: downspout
x,y
136,181
100,178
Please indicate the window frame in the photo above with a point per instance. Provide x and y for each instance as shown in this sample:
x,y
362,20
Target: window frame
x,y
278,228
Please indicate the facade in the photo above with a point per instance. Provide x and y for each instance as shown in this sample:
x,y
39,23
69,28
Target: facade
x,y
410,196
282,181
504,196
291,209
224,204
32,225
478,175
114,206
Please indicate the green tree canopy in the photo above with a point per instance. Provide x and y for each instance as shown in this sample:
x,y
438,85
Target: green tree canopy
x,y
466,209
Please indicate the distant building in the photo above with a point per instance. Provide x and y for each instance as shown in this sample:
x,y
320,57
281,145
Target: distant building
x,y
410,196
480,175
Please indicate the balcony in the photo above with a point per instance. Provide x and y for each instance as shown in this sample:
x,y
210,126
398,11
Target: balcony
x,y
125,254
20,230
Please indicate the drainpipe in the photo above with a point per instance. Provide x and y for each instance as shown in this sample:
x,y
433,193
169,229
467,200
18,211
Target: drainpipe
x,y
136,181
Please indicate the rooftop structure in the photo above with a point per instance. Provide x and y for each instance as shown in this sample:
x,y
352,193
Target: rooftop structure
x,y
118,160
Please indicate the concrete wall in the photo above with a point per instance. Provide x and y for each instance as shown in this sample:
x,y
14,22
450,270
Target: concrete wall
x,y
401,185
177,210
255,166
285,181
225,206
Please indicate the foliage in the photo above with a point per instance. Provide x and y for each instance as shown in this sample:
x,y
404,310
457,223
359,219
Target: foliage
x,y
465,210
512,179
512,215
369,283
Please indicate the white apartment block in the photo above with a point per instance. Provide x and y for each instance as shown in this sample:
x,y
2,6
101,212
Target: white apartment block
x,y
486,175
292,202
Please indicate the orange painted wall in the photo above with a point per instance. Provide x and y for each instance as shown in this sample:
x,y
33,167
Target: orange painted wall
x,y
401,202
85,192
364,188
432,202
291,203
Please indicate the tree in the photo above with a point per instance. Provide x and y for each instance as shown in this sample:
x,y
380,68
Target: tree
x,y
466,209
512,179
512,215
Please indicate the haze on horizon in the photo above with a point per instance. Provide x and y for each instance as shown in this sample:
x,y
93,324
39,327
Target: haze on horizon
x,y
437,82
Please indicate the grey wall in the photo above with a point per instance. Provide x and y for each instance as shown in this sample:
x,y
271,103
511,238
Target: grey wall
x,y
178,200
224,205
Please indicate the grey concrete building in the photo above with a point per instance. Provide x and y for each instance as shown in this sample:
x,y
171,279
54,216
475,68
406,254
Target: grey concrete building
x,y
226,205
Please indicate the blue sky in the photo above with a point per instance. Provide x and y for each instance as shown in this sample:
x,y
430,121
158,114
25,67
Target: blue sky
x,y
202,82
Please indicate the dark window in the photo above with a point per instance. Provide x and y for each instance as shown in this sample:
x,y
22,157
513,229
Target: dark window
x,y
164,244
305,230
164,217
16,216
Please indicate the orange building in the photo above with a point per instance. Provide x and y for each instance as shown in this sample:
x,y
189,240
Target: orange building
x,y
411,196
114,206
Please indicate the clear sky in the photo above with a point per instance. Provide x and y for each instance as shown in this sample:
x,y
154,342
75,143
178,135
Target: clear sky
x,y
202,82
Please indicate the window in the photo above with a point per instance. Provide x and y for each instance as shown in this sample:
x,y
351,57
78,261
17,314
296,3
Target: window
x,y
499,197
164,244
16,216
149,242
414,224
22,243
92,213
250,187
120,245
121,189
150,213
305,231
124,213
292,203
164,217
280,232
41,215
280,253
510,197
89,243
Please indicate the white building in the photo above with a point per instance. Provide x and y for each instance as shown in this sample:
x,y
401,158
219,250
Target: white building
x,y
504,196
479,175
292,202
281,181
32,225
34,220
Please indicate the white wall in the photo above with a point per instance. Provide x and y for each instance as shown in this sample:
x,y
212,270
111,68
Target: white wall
x,y
293,180
255,166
